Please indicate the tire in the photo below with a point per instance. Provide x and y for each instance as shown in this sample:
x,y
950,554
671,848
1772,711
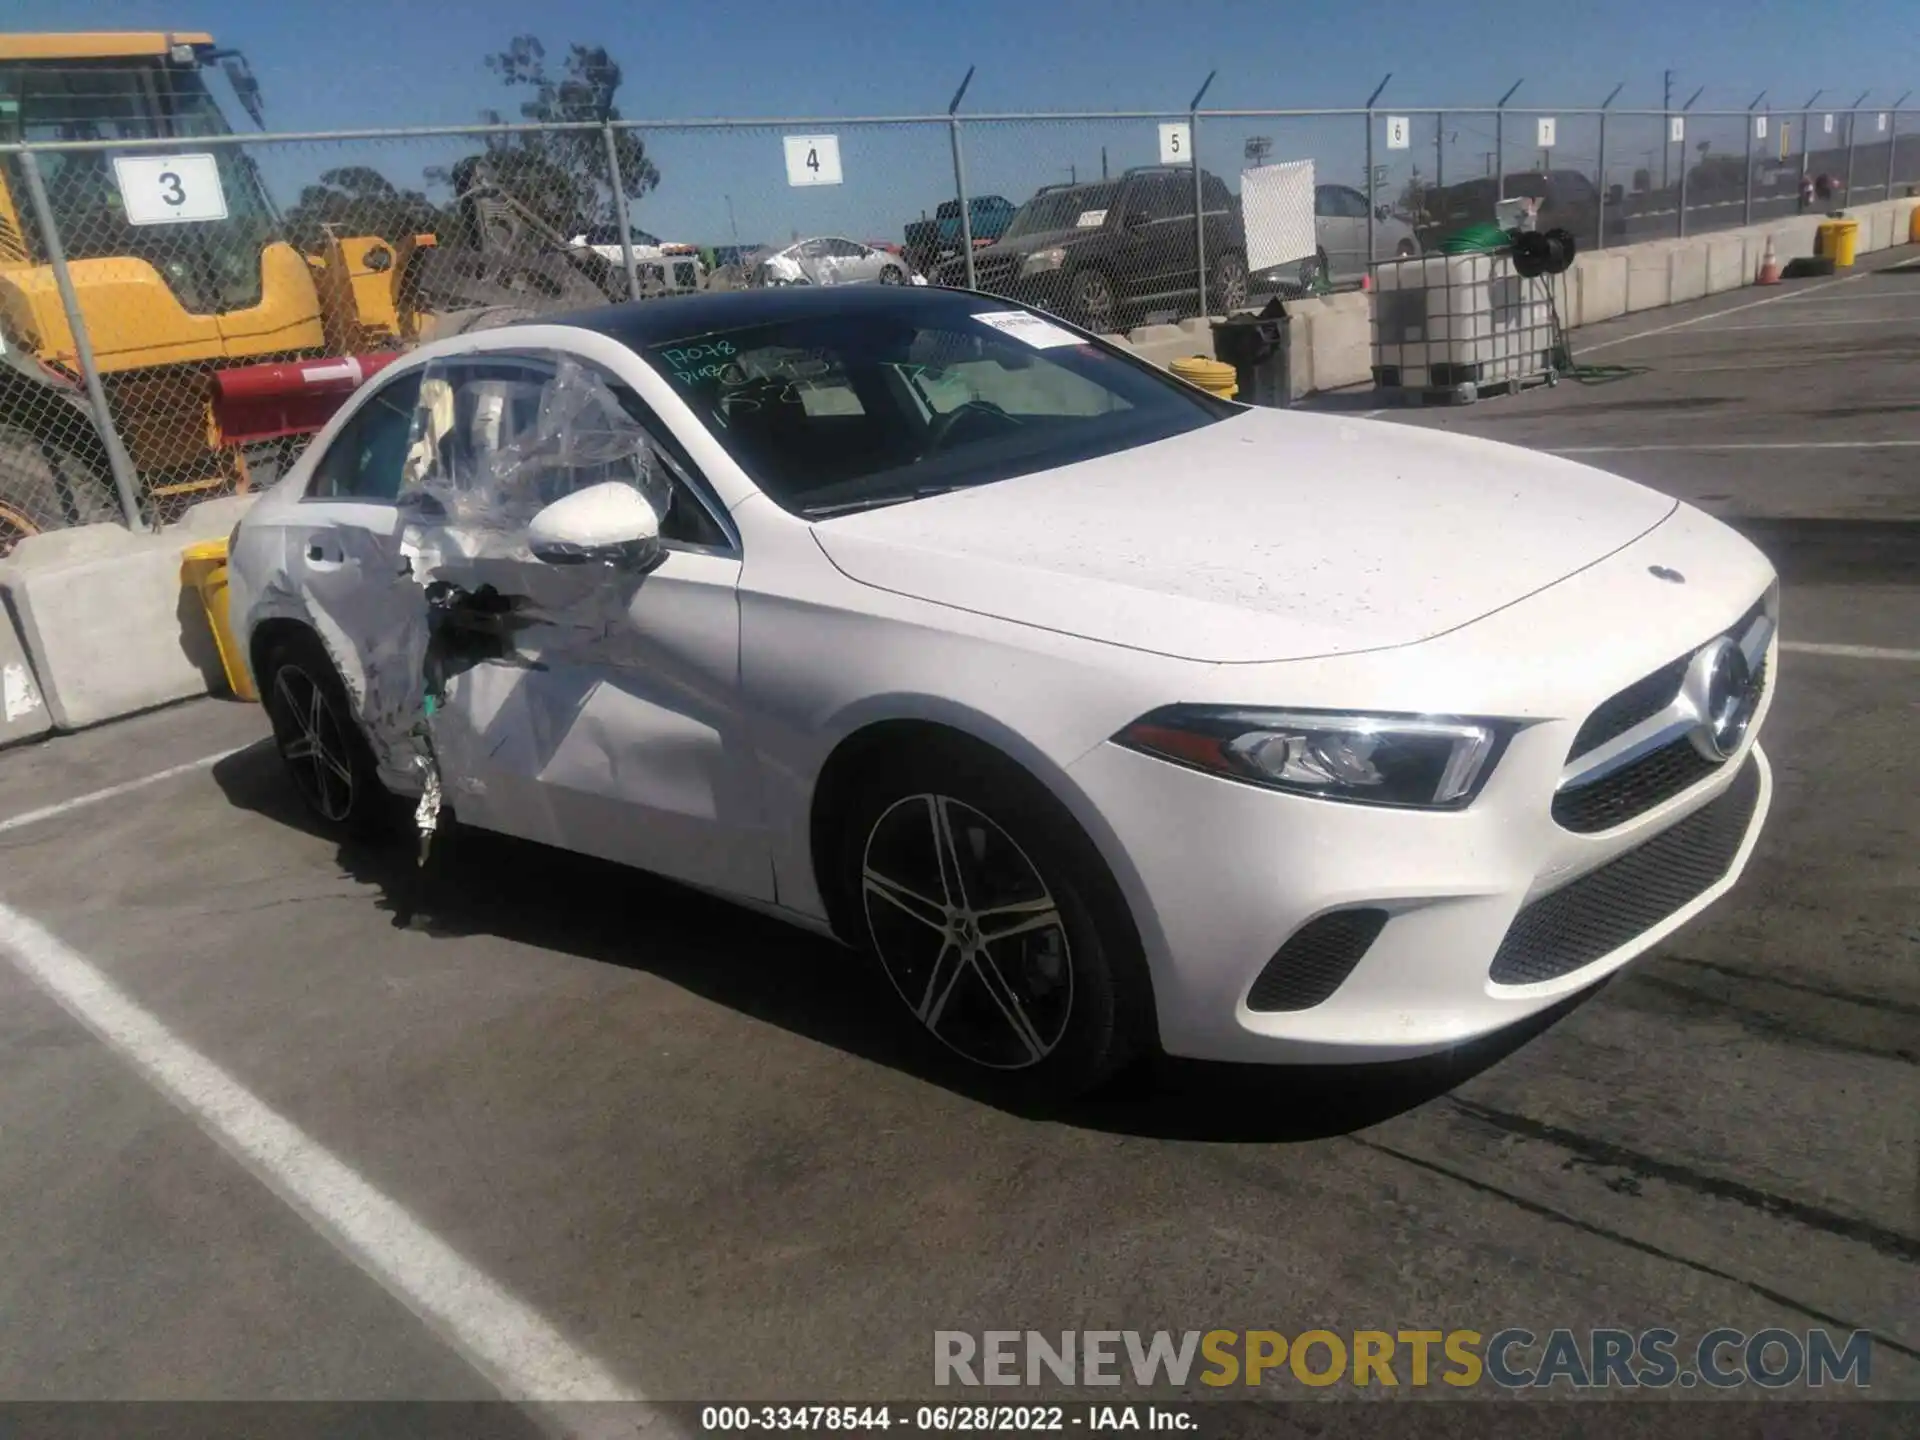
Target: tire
x,y
1044,995
337,780
46,486
1406,250
1229,281
1091,302
893,275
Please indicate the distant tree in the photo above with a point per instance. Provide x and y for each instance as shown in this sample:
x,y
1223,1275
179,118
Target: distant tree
x,y
358,200
560,175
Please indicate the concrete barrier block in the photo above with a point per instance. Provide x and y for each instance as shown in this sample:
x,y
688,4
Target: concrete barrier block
x,y
1649,277
106,623
23,710
1340,340
1687,272
211,519
1727,263
1602,289
1163,344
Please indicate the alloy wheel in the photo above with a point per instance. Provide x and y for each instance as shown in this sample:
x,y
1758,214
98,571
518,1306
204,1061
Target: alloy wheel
x,y
1231,276
1095,299
967,931
313,742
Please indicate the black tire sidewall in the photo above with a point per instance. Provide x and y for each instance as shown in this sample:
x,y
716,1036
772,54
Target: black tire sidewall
x,y
50,485
371,809
1110,1021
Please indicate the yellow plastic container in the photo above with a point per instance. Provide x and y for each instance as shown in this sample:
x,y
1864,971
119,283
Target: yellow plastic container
x,y
1839,239
1213,376
203,569
1913,226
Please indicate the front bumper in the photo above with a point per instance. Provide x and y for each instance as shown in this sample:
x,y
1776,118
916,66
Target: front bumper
x,y
1480,917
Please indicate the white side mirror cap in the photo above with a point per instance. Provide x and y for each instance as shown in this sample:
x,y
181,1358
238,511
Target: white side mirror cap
x,y
606,524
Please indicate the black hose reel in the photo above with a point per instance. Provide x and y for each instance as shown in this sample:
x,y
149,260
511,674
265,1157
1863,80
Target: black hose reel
x,y
1542,252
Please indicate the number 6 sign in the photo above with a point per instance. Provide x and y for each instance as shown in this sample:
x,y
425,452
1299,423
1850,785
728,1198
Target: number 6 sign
x,y
169,189
813,159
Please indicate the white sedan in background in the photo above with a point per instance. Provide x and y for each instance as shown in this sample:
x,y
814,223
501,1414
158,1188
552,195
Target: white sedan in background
x,y
832,260
1103,714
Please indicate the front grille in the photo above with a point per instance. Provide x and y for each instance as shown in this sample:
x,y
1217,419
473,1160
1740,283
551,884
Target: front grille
x,y
1638,786
1630,894
1316,960
1647,696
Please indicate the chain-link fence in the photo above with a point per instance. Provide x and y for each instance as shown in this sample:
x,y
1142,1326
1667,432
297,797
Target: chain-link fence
x,y
182,306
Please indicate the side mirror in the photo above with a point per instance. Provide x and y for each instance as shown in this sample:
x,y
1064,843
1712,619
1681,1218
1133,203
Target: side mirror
x,y
607,524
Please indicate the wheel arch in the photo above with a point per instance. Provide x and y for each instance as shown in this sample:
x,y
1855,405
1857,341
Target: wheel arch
x,y
273,631
873,736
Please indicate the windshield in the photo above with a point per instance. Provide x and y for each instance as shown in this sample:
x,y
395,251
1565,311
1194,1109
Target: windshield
x,y
849,411
1061,209
211,265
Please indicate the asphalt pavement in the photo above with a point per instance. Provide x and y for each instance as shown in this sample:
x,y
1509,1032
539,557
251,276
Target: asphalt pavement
x,y
544,1126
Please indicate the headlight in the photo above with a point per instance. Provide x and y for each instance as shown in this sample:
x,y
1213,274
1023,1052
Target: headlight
x,y
1431,763
1043,260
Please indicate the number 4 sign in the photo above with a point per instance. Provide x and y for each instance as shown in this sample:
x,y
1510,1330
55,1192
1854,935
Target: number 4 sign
x,y
1546,129
1399,132
813,159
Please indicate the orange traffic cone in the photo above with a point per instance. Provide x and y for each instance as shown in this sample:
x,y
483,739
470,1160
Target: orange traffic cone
x,y
1769,266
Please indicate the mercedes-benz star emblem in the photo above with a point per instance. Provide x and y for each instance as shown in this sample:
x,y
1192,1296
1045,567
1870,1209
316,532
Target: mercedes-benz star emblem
x,y
1723,692
1661,572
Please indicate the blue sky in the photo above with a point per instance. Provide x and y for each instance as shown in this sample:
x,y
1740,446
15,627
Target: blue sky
x,y
420,63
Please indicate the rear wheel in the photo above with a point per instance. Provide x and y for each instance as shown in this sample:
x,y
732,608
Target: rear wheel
x,y
995,921
327,758
893,275
46,486
1229,283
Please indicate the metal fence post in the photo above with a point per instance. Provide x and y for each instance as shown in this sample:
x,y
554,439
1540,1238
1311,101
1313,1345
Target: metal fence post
x,y
1439,151
124,478
1746,213
620,210
959,180
1852,120
1683,185
1600,161
1372,199
1201,307
1893,148
1500,154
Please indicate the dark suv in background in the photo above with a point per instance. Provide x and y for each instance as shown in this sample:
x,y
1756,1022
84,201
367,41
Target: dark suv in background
x,y
1101,254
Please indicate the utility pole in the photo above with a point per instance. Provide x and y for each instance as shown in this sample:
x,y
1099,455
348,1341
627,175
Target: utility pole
x,y
1103,164
1666,106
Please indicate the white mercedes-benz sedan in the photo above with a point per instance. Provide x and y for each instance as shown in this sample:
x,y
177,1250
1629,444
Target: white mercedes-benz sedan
x,y
1101,713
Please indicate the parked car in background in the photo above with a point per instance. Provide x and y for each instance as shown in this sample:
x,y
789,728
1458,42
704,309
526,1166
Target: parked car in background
x,y
833,260
1568,201
664,266
930,241
1340,233
1099,253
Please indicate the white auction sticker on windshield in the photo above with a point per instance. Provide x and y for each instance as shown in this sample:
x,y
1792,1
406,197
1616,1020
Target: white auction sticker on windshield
x,y
1090,218
1040,334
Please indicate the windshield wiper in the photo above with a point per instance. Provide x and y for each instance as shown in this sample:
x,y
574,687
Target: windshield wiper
x,y
879,502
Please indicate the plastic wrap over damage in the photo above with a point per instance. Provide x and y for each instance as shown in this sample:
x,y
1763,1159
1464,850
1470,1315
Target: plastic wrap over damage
x,y
491,446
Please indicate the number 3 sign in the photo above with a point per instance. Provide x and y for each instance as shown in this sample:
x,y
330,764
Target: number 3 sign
x,y
169,189
813,159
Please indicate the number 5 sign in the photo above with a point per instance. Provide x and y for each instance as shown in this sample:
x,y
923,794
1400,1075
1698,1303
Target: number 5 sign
x,y
169,189
1176,143
813,159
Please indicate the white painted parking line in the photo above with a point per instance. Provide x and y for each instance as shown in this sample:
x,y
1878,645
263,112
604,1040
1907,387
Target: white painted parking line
x,y
500,1335
1816,324
1849,652
113,792
1742,445
1721,314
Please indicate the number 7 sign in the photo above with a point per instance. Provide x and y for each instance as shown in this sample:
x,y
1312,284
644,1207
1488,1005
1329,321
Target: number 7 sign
x,y
813,159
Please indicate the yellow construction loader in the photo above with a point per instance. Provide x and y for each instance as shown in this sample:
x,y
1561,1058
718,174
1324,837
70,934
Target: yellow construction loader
x,y
190,286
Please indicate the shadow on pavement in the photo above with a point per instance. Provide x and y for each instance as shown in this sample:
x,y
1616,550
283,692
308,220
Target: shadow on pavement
x,y
478,883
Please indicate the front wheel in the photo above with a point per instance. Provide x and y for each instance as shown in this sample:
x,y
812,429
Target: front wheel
x,y
1091,301
995,921
893,275
327,758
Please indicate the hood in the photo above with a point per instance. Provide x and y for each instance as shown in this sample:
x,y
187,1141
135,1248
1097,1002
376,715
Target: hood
x,y
1275,535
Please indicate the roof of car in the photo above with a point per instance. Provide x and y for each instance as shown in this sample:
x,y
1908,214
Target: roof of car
x,y
640,323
